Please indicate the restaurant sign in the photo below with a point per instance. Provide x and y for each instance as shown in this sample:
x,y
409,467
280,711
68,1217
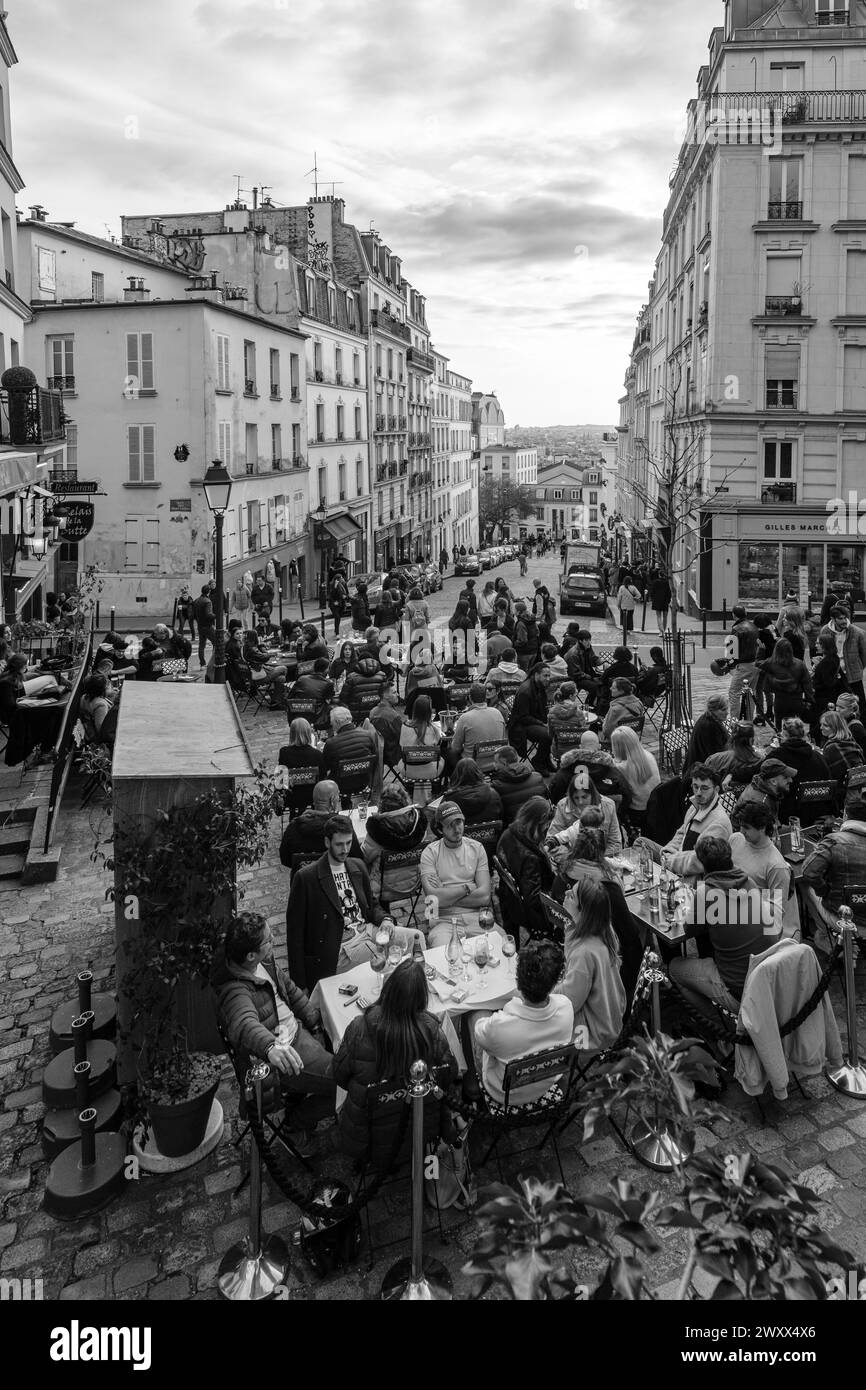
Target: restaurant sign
x,y
71,487
79,520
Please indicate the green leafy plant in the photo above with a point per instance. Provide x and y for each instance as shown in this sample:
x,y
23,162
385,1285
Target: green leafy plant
x,y
180,872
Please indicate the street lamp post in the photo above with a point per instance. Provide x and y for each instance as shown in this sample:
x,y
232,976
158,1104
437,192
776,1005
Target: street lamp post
x,y
218,490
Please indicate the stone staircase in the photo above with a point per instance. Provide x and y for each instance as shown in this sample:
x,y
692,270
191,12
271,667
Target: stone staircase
x,y
24,802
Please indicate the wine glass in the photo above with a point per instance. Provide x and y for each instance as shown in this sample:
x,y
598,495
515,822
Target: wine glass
x,y
466,952
395,951
486,920
453,952
482,957
509,950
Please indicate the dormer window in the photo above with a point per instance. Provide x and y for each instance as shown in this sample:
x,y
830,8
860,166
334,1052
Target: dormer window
x,y
332,304
311,295
829,12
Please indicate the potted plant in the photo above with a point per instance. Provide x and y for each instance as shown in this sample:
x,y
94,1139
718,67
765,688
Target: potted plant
x,y
177,878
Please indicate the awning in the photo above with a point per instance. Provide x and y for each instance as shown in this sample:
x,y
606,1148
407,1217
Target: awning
x,y
404,528
342,528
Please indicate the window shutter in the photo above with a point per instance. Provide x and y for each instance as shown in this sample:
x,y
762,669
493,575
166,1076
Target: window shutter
x,y
147,361
132,367
151,543
264,532
783,363
242,526
148,460
134,449
132,544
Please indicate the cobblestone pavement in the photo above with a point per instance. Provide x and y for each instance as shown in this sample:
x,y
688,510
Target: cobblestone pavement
x,y
163,1238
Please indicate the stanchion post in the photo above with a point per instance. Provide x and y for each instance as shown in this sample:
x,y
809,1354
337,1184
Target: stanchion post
x,y
724,615
87,1125
413,1280
280,602
850,1078
84,980
112,617
643,616
254,1269
704,628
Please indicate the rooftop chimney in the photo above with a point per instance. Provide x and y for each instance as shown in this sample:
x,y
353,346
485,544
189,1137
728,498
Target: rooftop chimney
x,y
206,287
135,293
236,219
38,213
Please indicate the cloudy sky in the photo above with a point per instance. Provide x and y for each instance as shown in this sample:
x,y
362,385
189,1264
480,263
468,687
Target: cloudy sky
x,y
515,153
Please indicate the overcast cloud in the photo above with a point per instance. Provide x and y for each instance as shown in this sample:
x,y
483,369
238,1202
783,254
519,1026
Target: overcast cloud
x,y
514,153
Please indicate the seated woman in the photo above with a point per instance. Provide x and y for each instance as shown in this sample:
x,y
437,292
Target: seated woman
x,y
340,667
422,674
592,979
417,734
651,682
754,853
582,793
521,850
839,750
476,798
267,671
534,1020
587,863
396,828
381,1045
828,677
625,708
94,707
565,713
311,644
738,764
150,659
639,769
300,752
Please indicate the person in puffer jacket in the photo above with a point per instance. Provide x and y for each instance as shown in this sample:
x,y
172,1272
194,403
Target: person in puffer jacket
x,y
527,639
367,679
566,711
397,828
625,709
565,826
514,780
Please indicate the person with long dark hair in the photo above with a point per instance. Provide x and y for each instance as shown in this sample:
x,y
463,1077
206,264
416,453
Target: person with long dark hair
x,y
381,1045
521,850
592,969
418,732
477,799
789,680
828,678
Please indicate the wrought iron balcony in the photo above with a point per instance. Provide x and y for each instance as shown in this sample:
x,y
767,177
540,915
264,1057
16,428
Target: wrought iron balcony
x,y
420,359
781,396
788,210
826,18
779,492
380,422
382,319
250,386
298,461
783,306
392,422
31,417
61,383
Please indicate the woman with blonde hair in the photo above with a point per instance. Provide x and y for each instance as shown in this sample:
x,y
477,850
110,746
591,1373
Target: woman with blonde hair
x,y
301,752
638,768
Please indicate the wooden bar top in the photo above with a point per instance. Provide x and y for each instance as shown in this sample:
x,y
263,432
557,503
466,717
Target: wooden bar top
x,y
174,730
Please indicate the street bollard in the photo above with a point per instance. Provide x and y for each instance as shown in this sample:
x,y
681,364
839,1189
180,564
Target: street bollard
x,y
413,1280
254,1269
850,1078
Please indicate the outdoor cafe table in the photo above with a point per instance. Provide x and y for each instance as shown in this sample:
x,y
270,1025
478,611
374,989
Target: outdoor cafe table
x,y
498,987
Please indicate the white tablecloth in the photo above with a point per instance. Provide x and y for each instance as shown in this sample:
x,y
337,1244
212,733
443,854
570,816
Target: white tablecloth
x,y
497,989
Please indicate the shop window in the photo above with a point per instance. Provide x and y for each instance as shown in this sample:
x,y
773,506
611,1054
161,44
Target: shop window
x,y
759,575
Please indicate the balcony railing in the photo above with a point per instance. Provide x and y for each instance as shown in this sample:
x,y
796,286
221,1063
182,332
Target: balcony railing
x,y
319,375
338,378
403,422
783,306
417,358
249,386
826,18
392,422
781,397
779,492
61,383
787,211
31,417
276,465
296,393
380,422
380,318
298,461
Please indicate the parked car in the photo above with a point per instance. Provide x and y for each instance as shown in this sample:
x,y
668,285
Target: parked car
x,y
431,579
374,582
582,591
486,559
413,575
468,564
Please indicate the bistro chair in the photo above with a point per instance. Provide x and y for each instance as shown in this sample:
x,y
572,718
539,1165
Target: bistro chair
x,y
484,754
360,708
4,736
854,895
559,919
415,761
298,783
302,707
256,693
174,666
389,1118
555,1066
353,776
487,833
817,799
403,859
567,736
728,799
673,746
510,899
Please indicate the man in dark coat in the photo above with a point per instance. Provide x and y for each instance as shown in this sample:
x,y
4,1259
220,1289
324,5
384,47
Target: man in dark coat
x,y
305,834
529,718
709,735
330,911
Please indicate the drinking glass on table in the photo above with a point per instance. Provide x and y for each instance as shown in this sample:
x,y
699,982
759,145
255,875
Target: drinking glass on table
x,y
509,951
467,954
486,920
482,957
377,965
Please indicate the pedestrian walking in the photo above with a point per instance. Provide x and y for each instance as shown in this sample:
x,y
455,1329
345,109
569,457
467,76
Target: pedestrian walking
x,y
242,605
338,595
293,579
183,612
627,598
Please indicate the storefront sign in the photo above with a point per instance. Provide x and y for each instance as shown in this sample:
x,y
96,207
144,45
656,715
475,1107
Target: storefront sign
x,y
79,521
768,528
180,504
71,487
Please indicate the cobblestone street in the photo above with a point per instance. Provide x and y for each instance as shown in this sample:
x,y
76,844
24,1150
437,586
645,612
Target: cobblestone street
x,y
163,1238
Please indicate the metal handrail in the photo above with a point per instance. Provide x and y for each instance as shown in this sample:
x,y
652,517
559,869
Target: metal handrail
x,y
63,747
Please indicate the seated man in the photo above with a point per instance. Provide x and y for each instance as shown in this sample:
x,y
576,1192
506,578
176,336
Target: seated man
x,y
528,720
172,644
317,686
349,744
114,647
266,670
507,675
480,723
733,914
604,775
264,1014
838,862
584,667
769,786
311,645
624,665
387,721
305,834
374,646
533,1020
705,816
331,917
365,679
454,870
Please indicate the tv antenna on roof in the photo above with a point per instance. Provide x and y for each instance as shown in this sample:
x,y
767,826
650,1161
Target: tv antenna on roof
x,y
239,178
315,172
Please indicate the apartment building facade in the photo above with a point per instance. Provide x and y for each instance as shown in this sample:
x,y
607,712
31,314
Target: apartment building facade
x,y
509,464
758,329
463,463
160,385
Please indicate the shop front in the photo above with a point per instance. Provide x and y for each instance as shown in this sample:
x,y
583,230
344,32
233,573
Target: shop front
x,y
756,556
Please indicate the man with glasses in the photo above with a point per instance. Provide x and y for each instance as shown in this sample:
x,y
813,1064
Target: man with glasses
x,y
705,815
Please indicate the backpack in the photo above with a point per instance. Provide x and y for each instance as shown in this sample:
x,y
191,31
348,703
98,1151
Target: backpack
x,y
329,1245
550,610
451,1183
